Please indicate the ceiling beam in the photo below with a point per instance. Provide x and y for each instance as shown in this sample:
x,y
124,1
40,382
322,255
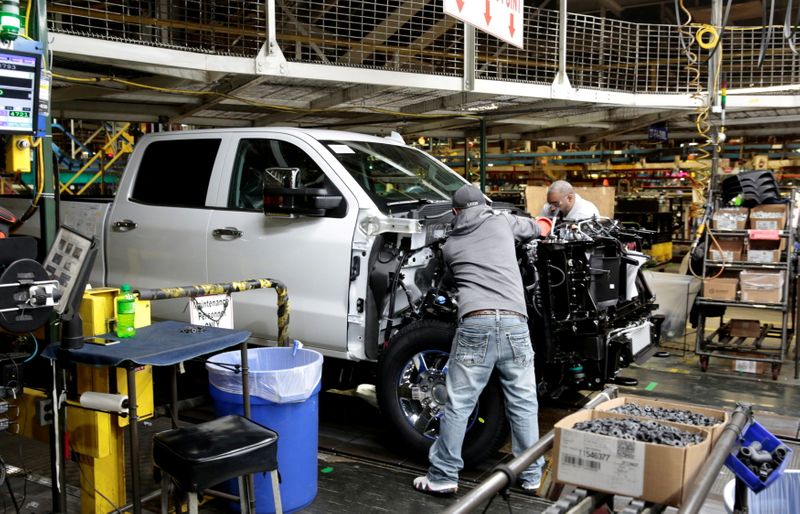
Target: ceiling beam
x,y
92,90
334,98
230,85
636,124
380,33
444,103
341,96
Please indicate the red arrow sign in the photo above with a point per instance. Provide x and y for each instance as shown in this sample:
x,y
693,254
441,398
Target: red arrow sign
x,y
504,19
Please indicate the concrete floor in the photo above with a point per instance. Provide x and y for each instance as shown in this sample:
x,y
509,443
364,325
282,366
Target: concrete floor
x,y
360,472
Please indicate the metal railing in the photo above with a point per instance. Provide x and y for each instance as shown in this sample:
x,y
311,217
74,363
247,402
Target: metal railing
x,y
415,36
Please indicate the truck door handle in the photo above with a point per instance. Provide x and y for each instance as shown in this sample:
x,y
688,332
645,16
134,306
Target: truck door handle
x,y
227,233
124,225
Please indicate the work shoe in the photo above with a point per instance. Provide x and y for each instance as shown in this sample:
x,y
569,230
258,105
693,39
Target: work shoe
x,y
532,487
424,485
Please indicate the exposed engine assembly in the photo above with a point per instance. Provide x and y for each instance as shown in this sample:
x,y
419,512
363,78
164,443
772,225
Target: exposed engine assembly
x,y
588,304
589,308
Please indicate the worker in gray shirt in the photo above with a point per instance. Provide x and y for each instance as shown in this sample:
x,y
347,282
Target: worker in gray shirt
x,y
492,333
564,203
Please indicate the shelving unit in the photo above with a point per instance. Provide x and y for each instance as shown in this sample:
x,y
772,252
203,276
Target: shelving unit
x,y
768,343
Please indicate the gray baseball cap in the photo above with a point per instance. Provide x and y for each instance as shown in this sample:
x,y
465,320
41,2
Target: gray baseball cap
x,y
468,196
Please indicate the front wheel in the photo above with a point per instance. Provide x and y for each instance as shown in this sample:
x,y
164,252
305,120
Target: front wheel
x,y
412,393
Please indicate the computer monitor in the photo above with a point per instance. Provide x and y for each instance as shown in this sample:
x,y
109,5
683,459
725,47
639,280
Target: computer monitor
x,y
19,91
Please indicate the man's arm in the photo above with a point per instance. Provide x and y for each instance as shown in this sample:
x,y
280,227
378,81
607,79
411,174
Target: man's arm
x,y
523,228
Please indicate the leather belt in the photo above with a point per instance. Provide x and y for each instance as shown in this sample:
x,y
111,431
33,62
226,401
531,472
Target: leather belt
x,y
492,312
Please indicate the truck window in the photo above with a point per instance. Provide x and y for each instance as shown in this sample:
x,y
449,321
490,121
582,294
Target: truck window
x,y
254,156
176,172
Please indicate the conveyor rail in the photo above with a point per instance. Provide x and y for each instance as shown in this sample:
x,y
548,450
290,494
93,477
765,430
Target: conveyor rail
x,y
582,501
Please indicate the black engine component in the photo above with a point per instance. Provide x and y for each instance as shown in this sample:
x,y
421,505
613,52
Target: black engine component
x,y
586,297
588,304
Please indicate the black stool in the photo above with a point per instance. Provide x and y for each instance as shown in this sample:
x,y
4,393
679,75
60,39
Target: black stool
x,y
200,456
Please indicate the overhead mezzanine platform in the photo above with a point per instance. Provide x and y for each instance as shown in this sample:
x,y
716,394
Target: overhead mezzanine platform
x,y
352,64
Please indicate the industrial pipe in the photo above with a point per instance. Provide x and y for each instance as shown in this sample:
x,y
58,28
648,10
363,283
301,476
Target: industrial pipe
x,y
709,472
225,288
498,480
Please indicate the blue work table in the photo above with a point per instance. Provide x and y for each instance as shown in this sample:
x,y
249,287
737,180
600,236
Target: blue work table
x,y
165,343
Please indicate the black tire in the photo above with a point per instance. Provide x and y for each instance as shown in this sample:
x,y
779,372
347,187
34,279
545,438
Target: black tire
x,y
487,429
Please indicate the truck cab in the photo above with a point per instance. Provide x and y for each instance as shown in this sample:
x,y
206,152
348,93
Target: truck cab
x,y
190,209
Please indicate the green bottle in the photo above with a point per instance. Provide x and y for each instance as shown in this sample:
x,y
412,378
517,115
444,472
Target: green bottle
x,y
126,312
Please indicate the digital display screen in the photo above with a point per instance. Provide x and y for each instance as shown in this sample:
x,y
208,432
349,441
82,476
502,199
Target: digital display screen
x,y
19,79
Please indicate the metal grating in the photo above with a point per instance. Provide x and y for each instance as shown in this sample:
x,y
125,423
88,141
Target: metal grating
x,y
400,35
415,36
236,28
627,57
537,63
741,49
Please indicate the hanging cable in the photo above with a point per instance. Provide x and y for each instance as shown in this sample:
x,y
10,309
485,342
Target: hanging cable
x,y
766,31
31,210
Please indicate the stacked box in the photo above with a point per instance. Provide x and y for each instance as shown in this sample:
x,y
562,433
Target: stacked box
x,y
730,218
652,472
722,288
727,248
765,246
761,287
768,217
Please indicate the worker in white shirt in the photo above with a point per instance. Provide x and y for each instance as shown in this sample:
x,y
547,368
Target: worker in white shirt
x,y
565,204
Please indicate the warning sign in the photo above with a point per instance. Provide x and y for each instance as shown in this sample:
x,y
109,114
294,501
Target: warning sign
x,y
500,18
212,311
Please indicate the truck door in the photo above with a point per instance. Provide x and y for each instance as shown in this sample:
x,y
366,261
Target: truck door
x,y
157,229
311,255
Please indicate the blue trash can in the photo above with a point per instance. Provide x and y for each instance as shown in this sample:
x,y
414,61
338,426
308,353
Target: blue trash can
x,y
284,387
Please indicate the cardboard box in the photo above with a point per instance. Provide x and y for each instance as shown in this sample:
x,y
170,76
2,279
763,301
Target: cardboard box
x,y
761,287
768,217
765,246
730,218
744,328
652,472
728,249
714,430
720,288
748,366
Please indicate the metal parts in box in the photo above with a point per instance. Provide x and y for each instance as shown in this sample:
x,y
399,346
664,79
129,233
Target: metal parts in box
x,y
651,472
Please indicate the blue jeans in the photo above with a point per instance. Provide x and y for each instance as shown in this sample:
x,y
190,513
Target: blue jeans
x,y
482,343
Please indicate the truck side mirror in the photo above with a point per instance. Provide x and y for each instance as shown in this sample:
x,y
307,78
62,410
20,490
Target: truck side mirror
x,y
284,195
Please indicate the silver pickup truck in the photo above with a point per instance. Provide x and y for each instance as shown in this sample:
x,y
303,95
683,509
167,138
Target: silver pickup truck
x,y
351,224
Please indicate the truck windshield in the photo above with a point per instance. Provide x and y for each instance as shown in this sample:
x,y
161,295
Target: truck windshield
x,y
396,177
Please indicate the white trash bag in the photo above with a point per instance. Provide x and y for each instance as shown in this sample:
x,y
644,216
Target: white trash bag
x,y
277,374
